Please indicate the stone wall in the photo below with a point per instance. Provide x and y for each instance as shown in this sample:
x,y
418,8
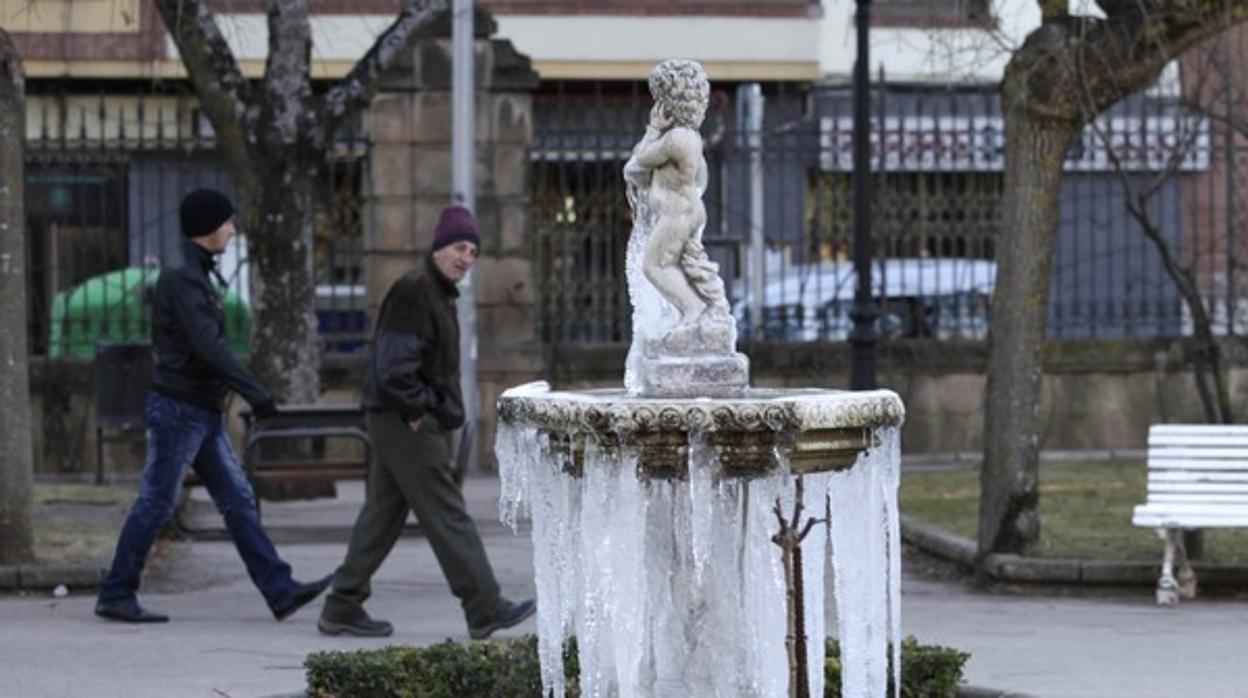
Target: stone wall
x,y
409,129
1097,395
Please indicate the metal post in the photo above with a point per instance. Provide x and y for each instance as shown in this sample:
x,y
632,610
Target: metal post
x,y
750,121
463,156
862,338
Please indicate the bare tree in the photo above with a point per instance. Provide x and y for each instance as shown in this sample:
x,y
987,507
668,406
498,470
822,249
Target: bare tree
x,y
16,458
789,536
1066,73
274,135
1209,367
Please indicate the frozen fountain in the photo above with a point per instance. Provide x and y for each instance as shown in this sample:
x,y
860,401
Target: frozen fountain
x,y
654,507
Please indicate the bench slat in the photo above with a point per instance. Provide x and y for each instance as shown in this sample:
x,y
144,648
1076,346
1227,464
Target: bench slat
x,y
1201,499
1189,464
1196,496
1215,508
1197,452
1163,520
301,464
1229,487
315,474
1197,440
1230,476
1189,429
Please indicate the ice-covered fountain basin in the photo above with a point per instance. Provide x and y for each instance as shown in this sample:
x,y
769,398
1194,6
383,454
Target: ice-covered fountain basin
x,y
815,430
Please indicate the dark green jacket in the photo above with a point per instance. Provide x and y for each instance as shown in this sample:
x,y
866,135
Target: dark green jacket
x,y
414,366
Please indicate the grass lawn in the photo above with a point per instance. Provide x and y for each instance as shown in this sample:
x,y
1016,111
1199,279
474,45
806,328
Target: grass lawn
x,y
1085,511
78,524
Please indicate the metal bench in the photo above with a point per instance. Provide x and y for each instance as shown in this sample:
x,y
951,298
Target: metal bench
x,y
1197,478
297,422
305,422
308,422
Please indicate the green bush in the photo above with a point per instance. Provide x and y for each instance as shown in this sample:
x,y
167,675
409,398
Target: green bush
x,y
927,671
494,669
509,669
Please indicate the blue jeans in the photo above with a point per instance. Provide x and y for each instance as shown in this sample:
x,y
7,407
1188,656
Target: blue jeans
x,y
180,435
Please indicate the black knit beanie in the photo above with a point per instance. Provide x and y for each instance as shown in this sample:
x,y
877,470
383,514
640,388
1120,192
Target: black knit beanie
x,y
203,211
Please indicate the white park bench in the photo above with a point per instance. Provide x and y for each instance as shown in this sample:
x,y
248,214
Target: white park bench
x,y
1197,478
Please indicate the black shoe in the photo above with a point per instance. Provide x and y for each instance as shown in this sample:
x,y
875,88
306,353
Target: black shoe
x,y
360,626
128,612
300,596
506,614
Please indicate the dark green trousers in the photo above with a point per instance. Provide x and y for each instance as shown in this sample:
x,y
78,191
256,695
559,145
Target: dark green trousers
x,y
411,470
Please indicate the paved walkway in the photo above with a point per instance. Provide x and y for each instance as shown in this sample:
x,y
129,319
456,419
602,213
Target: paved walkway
x,y
222,642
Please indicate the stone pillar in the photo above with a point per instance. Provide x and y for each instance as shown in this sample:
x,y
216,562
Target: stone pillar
x,y
409,131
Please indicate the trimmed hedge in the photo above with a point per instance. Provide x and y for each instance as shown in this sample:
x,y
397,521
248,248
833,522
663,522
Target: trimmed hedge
x,y
927,671
509,669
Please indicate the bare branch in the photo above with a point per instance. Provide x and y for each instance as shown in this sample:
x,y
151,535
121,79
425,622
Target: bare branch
x,y
1114,57
224,94
800,488
356,90
810,523
1183,276
287,70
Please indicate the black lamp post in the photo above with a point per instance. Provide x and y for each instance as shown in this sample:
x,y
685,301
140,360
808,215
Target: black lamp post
x,y
862,338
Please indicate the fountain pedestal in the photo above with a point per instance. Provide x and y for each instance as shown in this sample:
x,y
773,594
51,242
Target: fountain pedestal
x,y
652,524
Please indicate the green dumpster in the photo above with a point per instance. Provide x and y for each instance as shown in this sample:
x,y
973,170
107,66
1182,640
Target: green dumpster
x,y
114,307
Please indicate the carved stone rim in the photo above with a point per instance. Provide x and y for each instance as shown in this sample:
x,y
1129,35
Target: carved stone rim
x,y
776,410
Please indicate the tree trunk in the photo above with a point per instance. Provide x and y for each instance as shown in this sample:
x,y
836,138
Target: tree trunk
x,y
16,458
1035,150
286,354
1067,72
274,135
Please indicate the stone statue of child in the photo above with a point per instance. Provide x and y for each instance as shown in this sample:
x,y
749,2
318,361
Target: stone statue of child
x,y
666,177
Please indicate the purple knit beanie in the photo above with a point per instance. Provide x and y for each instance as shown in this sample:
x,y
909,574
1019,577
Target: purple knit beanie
x,y
455,223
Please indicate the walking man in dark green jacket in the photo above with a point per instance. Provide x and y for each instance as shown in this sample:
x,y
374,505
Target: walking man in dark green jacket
x,y
413,399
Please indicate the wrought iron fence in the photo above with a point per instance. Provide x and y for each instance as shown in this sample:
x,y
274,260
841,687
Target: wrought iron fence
x,y
105,173
779,201
104,176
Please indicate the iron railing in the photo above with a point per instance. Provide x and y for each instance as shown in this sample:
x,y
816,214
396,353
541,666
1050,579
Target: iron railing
x,y
104,177
938,161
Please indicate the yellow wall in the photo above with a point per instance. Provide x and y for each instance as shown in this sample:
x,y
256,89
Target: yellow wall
x,y
78,16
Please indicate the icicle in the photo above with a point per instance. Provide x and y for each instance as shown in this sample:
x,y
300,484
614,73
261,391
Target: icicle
x,y
702,505
674,589
813,569
890,483
866,565
513,471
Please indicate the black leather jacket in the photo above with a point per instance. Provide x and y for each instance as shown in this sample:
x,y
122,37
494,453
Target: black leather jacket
x,y
414,367
193,362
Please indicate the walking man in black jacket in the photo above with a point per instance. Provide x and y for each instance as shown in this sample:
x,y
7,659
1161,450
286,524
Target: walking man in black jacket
x,y
186,426
413,399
